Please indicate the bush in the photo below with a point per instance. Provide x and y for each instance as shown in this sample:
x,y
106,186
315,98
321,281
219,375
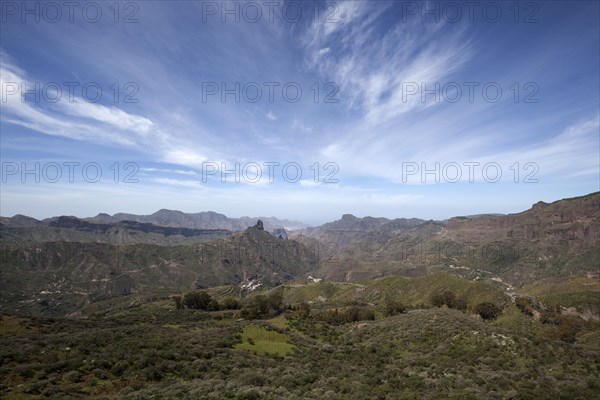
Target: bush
x,y
152,374
393,307
100,373
213,305
261,306
178,304
461,304
351,314
249,394
230,303
449,300
73,376
197,300
303,310
524,305
437,300
487,311
564,328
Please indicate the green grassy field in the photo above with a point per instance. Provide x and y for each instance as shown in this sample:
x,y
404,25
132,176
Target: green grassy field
x,y
262,340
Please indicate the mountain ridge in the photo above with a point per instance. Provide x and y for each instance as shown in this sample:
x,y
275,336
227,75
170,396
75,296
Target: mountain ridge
x,y
549,239
171,218
51,257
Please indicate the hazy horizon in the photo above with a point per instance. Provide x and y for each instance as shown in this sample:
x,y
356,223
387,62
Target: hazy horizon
x,y
311,224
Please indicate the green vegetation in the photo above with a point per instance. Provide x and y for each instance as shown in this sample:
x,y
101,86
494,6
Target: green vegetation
x,y
345,316
149,320
279,322
406,292
449,300
393,307
261,306
144,347
525,305
581,293
261,339
487,311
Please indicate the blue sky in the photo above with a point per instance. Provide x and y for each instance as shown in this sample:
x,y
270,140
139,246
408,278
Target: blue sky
x,y
175,91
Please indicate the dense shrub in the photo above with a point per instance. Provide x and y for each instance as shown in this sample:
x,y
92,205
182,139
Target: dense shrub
x,y
197,301
487,311
262,306
449,300
230,303
303,310
351,314
393,307
460,303
524,305
178,303
152,352
563,327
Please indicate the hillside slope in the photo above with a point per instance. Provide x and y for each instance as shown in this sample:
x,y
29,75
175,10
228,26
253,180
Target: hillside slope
x,y
60,277
557,239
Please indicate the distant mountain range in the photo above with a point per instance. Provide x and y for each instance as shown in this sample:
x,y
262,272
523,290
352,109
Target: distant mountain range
x,y
22,229
201,220
171,218
164,227
60,264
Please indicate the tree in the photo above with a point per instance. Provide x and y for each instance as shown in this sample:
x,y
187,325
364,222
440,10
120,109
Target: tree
x,y
261,306
351,314
178,304
562,327
197,300
524,304
230,303
213,305
355,313
449,299
488,311
437,300
446,298
303,310
461,304
275,302
328,290
393,307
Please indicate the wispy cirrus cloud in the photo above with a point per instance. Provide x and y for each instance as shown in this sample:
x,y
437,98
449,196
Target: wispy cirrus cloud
x,y
112,116
79,119
370,54
373,64
170,171
386,128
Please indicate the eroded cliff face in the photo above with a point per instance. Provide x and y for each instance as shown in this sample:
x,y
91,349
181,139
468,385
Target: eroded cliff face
x,y
557,239
575,219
